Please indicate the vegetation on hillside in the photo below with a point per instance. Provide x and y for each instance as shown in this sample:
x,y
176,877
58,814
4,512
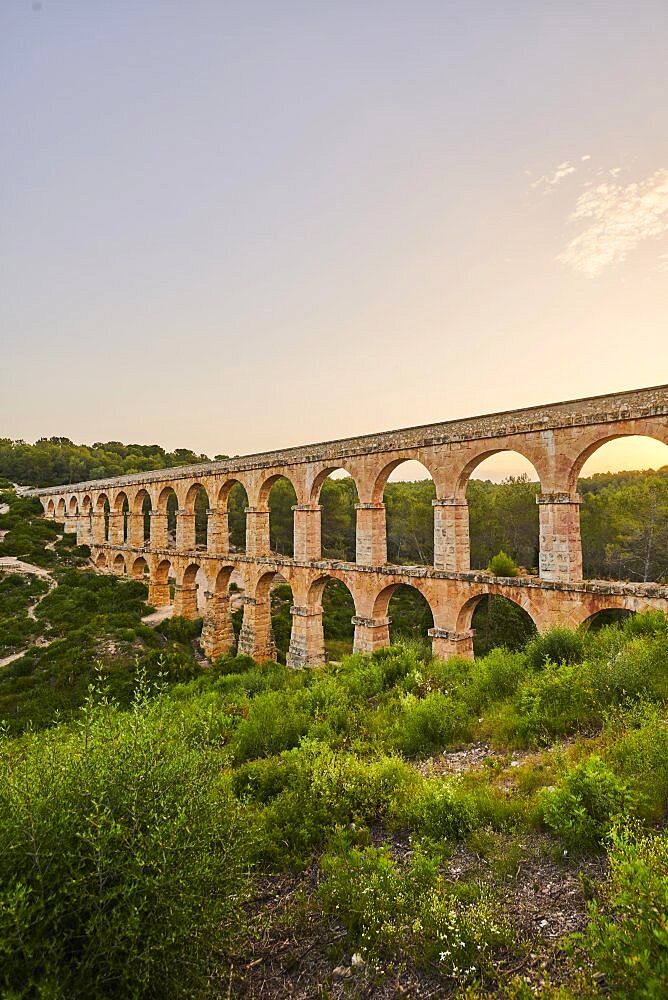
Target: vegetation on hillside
x,y
389,825
56,461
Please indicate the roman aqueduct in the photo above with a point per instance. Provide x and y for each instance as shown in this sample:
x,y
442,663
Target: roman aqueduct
x,y
109,516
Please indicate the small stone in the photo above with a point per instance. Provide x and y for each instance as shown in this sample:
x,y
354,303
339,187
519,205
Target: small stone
x,y
342,972
357,959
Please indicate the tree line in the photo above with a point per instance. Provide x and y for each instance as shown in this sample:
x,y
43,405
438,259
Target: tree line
x,y
57,461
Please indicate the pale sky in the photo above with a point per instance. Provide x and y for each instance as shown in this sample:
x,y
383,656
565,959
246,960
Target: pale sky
x,y
238,226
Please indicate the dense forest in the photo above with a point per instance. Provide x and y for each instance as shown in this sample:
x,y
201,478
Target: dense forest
x,y
57,461
385,826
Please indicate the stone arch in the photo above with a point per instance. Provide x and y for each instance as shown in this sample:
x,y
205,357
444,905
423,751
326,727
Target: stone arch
x,y
120,512
278,494
61,510
323,475
101,560
217,628
383,476
463,474
120,504
164,570
409,515
326,593
257,638
191,588
382,611
232,502
51,508
605,616
223,579
73,507
142,505
190,572
119,566
160,586
86,504
196,506
655,430
636,554
334,532
522,626
168,505
502,514
102,511
139,569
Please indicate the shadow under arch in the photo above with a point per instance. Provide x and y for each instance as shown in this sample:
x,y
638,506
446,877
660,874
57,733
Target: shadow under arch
x,y
197,502
61,510
606,616
409,610
101,561
140,569
142,507
496,621
119,566
168,503
338,609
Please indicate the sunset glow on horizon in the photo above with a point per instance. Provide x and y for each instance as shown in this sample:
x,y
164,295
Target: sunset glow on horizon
x,y
242,227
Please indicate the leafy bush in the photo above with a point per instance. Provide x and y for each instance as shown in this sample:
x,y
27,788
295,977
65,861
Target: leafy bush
x,y
495,676
411,910
445,810
584,807
557,645
502,565
273,724
430,722
121,860
181,630
627,934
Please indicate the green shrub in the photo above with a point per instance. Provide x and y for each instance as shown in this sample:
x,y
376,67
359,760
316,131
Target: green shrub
x,y
557,645
445,810
553,703
432,722
411,911
273,724
626,938
585,805
122,857
181,630
495,676
502,565
325,790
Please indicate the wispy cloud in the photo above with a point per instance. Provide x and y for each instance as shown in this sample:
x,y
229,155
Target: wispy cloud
x,y
619,218
548,181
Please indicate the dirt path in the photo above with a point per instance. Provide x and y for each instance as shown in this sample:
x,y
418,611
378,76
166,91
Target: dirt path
x,y
11,564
